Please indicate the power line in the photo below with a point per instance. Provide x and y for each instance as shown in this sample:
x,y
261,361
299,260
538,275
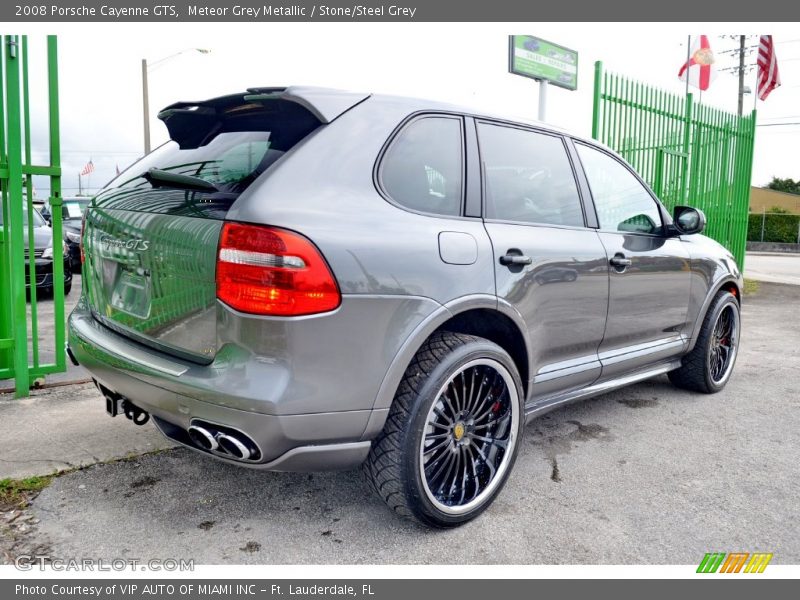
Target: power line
x,y
776,124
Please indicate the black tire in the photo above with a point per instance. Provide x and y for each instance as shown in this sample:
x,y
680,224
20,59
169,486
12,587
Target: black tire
x,y
698,371
396,468
68,287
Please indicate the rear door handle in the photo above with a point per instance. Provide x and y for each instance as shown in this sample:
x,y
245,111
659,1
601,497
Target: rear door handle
x,y
619,261
515,258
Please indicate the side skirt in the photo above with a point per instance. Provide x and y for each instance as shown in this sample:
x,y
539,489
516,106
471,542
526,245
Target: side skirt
x,y
539,407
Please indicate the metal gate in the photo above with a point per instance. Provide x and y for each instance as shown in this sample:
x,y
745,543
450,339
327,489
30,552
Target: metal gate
x,y
20,356
689,153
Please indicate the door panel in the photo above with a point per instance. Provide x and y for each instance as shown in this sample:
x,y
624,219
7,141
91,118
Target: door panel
x,y
549,266
562,296
649,273
648,300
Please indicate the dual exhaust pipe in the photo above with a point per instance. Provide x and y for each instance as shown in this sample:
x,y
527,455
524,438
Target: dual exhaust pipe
x,y
223,441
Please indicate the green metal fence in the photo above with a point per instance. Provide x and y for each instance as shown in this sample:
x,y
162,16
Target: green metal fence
x,y
20,356
688,152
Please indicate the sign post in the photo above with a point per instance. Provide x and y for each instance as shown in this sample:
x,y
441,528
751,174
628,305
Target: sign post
x,y
544,62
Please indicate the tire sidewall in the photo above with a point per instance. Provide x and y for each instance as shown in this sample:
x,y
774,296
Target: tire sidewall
x,y
449,365
725,300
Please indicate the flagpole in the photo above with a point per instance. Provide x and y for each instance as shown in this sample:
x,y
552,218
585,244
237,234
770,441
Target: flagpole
x,y
79,184
688,58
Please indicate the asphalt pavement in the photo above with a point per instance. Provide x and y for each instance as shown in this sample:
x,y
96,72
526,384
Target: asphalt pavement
x,y
645,475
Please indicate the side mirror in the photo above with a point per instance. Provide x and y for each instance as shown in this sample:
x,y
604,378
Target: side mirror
x,y
688,220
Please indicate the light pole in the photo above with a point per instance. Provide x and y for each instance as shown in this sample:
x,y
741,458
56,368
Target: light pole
x,y
146,93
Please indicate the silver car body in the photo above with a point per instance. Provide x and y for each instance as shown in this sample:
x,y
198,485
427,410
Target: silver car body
x,y
313,391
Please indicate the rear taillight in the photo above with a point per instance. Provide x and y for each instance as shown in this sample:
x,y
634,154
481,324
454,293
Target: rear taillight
x,y
271,271
83,228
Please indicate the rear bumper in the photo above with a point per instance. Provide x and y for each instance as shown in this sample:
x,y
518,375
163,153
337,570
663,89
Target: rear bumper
x,y
176,393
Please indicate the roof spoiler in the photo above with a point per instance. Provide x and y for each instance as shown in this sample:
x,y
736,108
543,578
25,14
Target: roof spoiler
x,y
185,119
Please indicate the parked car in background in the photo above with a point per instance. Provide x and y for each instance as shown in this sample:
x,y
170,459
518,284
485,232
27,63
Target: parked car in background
x,y
72,220
306,279
43,254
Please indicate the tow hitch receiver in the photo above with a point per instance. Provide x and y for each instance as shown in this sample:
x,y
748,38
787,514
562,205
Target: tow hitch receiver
x,y
118,405
114,406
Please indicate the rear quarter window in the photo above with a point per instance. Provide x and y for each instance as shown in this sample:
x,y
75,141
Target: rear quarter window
x,y
423,167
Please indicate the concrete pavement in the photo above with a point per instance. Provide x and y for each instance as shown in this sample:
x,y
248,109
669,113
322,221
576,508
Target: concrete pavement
x,y
63,428
773,267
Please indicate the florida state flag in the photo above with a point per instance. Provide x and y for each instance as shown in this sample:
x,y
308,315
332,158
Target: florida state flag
x,y
699,69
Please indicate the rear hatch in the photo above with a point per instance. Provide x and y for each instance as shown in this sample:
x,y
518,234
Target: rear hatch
x,y
151,235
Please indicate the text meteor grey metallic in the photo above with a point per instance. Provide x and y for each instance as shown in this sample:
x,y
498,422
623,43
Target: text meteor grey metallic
x,y
306,279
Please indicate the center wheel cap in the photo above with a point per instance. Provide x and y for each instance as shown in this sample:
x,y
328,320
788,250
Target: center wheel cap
x,y
459,429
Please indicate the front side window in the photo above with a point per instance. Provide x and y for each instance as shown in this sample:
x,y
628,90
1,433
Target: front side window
x,y
422,169
622,202
528,177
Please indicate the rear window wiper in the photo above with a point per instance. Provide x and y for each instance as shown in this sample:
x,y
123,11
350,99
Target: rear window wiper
x,y
160,178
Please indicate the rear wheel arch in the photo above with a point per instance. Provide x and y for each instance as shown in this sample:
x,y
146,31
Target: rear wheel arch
x,y
479,315
496,327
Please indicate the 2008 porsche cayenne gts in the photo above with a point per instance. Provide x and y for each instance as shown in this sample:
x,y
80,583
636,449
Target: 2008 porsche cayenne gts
x,y
305,279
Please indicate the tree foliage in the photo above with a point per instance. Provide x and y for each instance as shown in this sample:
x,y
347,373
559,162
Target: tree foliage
x,y
789,186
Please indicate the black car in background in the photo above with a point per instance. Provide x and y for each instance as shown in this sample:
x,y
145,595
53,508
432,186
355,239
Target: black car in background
x,y
72,218
43,254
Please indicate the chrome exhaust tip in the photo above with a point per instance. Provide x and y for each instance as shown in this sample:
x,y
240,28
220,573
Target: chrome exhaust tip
x,y
232,446
223,440
203,438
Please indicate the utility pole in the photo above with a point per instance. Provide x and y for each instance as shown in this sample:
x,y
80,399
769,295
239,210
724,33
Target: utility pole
x,y
145,107
741,73
741,67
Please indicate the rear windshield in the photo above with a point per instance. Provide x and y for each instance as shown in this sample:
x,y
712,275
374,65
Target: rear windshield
x,y
231,161
229,153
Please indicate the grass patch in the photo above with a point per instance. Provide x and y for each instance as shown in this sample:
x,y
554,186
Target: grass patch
x,y
15,493
751,287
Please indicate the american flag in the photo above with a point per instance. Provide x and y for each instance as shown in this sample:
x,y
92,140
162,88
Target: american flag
x,y
89,168
768,76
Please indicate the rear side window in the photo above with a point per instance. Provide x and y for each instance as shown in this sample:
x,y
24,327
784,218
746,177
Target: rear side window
x,y
422,170
528,177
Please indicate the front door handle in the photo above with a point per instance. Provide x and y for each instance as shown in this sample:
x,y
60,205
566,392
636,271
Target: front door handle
x,y
514,258
619,261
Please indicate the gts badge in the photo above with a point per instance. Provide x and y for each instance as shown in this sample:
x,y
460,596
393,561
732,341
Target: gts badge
x,y
134,245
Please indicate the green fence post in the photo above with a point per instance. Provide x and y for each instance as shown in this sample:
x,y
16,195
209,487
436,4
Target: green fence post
x,y
687,140
598,77
55,202
17,262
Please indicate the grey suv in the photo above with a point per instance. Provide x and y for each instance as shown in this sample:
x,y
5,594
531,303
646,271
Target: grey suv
x,y
307,279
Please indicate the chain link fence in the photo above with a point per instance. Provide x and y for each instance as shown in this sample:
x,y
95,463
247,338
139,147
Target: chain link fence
x,y
774,227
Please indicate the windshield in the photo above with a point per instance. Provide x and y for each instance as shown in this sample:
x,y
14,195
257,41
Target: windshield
x,y
38,221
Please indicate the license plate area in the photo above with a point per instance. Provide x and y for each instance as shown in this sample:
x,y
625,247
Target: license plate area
x,y
132,292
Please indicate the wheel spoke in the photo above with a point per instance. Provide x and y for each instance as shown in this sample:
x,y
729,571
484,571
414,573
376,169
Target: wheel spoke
x,y
434,447
448,403
485,460
487,424
444,461
457,400
442,416
500,443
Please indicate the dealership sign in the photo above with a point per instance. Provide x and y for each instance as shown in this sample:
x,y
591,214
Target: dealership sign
x,y
543,61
